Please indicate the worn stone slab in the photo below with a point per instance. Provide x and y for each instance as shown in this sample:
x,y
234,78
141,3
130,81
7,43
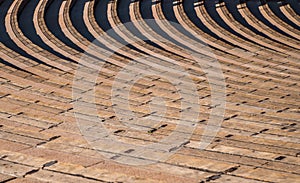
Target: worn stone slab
x,y
14,169
27,180
49,176
200,163
5,177
62,156
266,174
12,146
233,179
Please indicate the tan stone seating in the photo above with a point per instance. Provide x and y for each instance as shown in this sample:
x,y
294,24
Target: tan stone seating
x,y
213,26
276,21
11,23
246,32
48,37
191,41
39,136
261,27
70,27
197,31
140,29
290,14
135,14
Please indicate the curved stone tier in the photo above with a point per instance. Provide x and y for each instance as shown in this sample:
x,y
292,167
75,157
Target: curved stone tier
x,y
149,91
